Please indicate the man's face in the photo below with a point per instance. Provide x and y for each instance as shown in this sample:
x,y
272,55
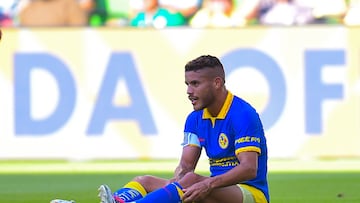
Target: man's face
x,y
200,88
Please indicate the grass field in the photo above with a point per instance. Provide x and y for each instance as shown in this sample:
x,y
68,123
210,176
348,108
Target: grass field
x,y
289,181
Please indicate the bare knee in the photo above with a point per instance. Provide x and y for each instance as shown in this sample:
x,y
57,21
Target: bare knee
x,y
189,179
142,179
191,175
149,182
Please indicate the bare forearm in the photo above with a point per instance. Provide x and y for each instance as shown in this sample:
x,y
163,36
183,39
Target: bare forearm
x,y
188,161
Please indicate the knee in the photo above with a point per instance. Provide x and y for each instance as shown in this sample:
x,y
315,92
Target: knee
x,y
150,183
143,180
189,179
190,176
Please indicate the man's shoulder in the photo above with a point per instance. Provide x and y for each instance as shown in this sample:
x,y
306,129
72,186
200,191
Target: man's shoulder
x,y
241,103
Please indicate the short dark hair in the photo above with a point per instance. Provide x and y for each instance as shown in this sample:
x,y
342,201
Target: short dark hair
x,y
206,61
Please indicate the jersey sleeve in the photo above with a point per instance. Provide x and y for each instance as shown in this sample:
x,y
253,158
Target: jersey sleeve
x,y
190,131
190,139
248,133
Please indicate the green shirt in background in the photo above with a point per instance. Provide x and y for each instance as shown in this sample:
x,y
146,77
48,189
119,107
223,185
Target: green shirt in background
x,y
162,18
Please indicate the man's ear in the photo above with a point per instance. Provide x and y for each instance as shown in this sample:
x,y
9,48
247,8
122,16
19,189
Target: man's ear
x,y
218,82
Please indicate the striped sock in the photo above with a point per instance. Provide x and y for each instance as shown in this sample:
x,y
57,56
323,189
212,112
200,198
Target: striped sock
x,y
130,192
171,193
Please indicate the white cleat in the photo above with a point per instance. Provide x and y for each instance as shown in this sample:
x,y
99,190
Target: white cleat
x,y
105,194
61,201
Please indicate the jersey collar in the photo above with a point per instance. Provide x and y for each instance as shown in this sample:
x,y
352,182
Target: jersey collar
x,y
224,109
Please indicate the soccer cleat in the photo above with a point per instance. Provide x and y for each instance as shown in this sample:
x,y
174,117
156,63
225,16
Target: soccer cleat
x,y
105,194
61,201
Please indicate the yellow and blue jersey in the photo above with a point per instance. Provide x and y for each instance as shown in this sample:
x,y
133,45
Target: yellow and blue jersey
x,y
237,128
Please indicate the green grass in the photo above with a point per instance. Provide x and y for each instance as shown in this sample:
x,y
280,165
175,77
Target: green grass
x,y
316,187
38,188
41,181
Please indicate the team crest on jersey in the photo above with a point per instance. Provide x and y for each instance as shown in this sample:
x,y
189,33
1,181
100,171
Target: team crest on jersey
x,y
223,141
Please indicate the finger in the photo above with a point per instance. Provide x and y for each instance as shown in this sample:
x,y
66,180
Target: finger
x,y
186,197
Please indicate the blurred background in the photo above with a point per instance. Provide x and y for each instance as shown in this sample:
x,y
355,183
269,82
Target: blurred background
x,y
104,79
188,13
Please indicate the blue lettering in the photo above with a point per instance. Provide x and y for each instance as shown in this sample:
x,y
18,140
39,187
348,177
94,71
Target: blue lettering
x,y
24,64
315,90
272,72
121,66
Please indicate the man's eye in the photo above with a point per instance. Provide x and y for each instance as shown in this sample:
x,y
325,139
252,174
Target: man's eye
x,y
195,84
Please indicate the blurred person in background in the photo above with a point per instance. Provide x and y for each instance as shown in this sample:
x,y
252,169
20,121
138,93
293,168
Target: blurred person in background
x,y
217,13
326,12
352,15
52,13
8,9
110,13
186,7
152,14
295,12
274,12
5,19
87,6
285,12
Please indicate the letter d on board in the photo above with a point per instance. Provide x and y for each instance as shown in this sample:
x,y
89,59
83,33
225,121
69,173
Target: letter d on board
x,y
25,124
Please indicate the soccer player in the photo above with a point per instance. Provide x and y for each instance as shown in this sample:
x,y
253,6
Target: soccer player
x,y
230,131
